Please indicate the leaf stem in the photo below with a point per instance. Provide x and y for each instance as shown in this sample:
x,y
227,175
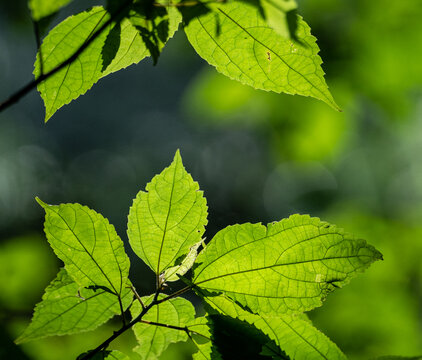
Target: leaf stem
x,y
15,97
137,296
185,328
117,333
177,293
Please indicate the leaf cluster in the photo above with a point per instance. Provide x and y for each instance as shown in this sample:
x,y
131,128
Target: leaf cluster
x,y
256,282
261,43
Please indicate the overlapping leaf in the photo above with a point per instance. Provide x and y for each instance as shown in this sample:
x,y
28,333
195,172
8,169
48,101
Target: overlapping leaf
x,y
281,16
88,245
43,8
236,38
119,45
167,219
61,43
143,33
153,340
201,336
288,266
66,308
293,334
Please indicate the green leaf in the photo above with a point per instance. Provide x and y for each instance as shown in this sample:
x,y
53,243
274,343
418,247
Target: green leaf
x,y
201,336
171,274
233,339
118,46
88,245
281,16
139,36
156,24
288,266
237,40
60,44
392,357
153,340
43,8
167,219
66,308
293,334
123,47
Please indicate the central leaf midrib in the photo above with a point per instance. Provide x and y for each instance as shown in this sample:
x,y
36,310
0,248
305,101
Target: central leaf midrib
x,y
167,217
86,250
275,53
277,265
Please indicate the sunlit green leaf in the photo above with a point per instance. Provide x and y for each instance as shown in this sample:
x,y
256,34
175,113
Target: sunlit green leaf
x,y
61,43
236,39
139,36
167,219
288,266
392,357
155,25
293,334
281,16
43,8
153,339
88,245
66,308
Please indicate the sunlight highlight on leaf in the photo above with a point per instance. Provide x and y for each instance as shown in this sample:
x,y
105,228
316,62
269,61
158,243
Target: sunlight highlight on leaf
x,y
66,308
236,39
289,266
153,340
88,245
61,43
167,219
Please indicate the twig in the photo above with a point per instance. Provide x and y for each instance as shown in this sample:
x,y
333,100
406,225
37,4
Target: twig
x,y
117,333
177,293
137,296
185,328
34,83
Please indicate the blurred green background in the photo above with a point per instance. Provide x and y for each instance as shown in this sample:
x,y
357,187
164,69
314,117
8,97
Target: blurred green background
x,y
258,156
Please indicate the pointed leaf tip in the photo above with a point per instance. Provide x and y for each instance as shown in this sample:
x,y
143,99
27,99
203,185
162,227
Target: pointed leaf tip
x,y
40,202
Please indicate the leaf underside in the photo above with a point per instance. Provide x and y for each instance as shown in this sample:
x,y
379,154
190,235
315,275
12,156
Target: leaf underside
x,y
88,245
66,309
167,219
293,334
236,39
41,9
153,340
289,266
121,44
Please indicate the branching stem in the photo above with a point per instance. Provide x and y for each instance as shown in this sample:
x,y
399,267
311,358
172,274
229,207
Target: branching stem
x,y
177,293
145,309
185,328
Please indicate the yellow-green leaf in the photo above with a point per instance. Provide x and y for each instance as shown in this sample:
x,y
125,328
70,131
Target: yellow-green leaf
x,y
236,38
88,245
167,219
289,266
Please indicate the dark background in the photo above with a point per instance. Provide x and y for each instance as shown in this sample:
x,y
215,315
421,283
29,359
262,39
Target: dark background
x,y
258,157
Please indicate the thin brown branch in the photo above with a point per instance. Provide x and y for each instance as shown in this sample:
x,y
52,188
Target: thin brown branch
x,y
185,328
137,296
177,293
117,333
44,76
